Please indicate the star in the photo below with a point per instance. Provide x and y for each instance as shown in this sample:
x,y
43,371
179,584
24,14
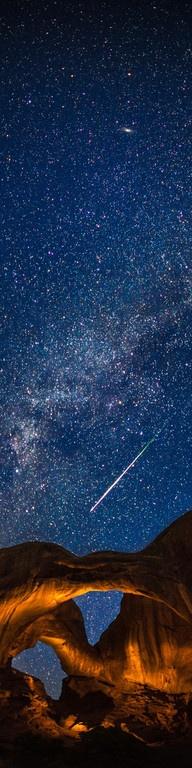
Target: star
x,y
124,129
96,307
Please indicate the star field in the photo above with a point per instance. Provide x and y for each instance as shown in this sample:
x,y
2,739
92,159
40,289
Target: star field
x,y
96,278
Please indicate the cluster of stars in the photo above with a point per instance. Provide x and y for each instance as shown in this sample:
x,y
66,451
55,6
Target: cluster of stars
x,y
95,167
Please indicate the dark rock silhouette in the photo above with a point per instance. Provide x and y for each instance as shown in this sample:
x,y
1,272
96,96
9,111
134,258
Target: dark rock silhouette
x,y
137,680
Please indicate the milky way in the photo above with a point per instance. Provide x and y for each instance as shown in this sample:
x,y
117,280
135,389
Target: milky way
x,y
96,277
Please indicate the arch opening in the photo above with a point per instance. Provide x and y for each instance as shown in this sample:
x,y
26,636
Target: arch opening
x,y
42,662
99,609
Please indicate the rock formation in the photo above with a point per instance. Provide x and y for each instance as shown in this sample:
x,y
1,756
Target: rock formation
x,y
140,671
151,639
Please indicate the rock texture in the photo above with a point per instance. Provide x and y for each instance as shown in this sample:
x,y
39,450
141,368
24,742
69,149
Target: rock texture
x,y
150,641
132,691
93,725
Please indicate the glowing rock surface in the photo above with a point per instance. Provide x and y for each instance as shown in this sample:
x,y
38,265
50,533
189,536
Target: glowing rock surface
x,y
150,641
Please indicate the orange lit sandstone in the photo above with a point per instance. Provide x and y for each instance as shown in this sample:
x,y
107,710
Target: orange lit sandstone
x,y
150,642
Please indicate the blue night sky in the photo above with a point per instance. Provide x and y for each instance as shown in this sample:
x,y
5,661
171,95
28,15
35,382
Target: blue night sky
x,y
96,278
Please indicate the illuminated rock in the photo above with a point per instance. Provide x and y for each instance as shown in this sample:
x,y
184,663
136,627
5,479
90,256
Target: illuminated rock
x,y
150,642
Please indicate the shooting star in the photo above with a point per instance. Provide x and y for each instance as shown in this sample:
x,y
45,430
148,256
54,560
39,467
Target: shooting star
x,y
132,463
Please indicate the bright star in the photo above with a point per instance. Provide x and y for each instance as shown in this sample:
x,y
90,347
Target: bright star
x,y
126,130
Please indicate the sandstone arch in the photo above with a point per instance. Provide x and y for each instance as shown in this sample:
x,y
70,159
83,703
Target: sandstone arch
x,y
150,641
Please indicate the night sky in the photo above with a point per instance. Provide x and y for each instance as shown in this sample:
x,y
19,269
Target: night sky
x,y
96,278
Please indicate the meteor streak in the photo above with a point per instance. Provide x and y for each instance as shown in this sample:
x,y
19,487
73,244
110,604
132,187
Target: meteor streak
x,y
132,463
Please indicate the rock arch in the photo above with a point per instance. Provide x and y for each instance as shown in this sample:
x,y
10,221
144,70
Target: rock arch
x,y
150,641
